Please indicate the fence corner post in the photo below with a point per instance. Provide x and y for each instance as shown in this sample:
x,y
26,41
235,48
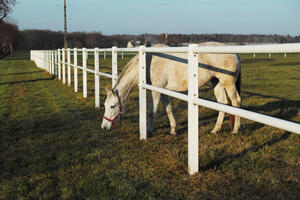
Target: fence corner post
x,y
193,125
142,93
97,82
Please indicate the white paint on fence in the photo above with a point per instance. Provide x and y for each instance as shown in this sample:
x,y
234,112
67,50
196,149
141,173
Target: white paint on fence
x,y
193,126
84,73
63,66
43,60
69,67
97,81
59,64
52,62
55,62
142,93
75,71
114,62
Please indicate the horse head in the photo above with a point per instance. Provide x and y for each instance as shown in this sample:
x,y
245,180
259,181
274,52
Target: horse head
x,y
113,109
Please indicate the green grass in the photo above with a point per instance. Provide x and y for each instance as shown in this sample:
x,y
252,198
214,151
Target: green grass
x,y
52,145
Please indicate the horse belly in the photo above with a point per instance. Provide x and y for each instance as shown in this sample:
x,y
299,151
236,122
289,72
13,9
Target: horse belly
x,y
177,79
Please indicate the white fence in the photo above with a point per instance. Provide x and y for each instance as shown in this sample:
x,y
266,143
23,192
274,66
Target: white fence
x,y
52,60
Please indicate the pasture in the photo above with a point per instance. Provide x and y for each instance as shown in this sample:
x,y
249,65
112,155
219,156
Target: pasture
x,y
52,145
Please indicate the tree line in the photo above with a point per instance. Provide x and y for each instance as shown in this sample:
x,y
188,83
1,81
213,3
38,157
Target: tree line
x,y
12,39
46,39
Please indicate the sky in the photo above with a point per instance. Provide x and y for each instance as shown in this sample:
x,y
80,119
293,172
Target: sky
x,y
161,16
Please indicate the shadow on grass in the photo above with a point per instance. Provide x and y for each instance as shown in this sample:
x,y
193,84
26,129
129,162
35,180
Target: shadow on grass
x,y
287,64
27,81
231,158
17,58
22,73
287,108
256,60
262,95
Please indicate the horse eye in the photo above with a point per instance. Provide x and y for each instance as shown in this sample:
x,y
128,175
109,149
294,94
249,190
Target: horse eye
x,y
113,106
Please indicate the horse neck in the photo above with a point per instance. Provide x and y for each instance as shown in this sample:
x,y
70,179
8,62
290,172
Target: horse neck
x,y
127,81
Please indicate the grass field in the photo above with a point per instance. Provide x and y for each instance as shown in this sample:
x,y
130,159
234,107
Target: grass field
x,y
52,145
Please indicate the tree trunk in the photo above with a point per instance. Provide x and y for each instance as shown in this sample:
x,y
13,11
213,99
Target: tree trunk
x,y
11,47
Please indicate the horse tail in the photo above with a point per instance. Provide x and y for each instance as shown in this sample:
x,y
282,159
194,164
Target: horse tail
x,y
238,82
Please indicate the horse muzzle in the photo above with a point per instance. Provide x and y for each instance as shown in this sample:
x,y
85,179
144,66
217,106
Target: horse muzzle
x,y
106,125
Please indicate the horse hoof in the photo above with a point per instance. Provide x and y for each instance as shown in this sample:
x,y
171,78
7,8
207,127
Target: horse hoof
x,y
234,132
149,133
214,131
173,133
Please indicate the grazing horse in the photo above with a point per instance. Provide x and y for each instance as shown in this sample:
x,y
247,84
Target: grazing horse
x,y
170,71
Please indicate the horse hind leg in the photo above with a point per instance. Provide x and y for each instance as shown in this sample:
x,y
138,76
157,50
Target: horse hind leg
x,y
236,102
220,94
155,98
167,104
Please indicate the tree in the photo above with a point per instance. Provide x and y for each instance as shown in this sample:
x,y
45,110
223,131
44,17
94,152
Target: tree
x,y
5,7
8,37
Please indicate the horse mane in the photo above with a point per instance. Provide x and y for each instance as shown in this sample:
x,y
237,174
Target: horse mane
x,y
133,63
128,67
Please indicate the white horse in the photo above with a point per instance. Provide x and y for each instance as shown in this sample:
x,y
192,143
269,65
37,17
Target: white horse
x,y
170,71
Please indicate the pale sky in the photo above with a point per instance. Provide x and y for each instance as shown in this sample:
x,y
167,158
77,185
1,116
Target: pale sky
x,y
160,16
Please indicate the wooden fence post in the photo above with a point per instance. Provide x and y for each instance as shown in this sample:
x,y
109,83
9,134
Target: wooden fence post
x,y
48,61
114,62
75,71
55,62
97,83
193,126
84,73
59,65
69,67
44,60
142,93
52,62
63,66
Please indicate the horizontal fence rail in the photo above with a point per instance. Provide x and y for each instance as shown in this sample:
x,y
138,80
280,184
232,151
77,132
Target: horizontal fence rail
x,y
55,62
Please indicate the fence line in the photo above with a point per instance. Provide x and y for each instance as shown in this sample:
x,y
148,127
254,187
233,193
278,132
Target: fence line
x,y
50,63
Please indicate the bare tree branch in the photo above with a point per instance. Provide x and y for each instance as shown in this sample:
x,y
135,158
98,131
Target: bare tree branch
x,y
5,7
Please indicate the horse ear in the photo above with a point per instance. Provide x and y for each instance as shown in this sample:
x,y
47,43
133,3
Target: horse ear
x,y
116,92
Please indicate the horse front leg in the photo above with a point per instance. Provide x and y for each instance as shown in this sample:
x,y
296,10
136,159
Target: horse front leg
x,y
155,98
167,104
